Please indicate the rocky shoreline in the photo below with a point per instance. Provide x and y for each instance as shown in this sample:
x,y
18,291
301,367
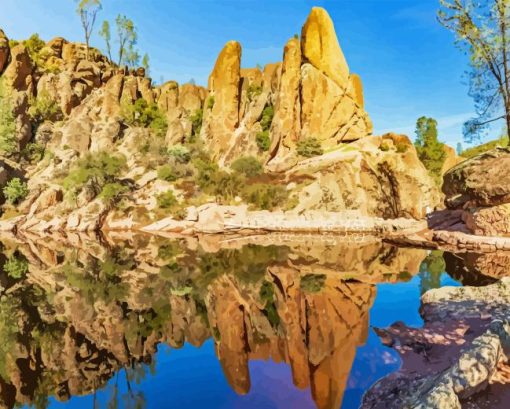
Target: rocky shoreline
x,y
462,350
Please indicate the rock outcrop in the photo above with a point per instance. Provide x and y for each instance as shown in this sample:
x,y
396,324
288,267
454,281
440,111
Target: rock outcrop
x,y
310,95
376,176
481,187
4,51
92,106
462,349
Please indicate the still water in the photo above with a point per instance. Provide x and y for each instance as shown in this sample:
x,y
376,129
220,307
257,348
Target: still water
x,y
213,322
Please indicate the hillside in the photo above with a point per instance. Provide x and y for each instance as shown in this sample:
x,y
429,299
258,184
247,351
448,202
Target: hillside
x,y
89,145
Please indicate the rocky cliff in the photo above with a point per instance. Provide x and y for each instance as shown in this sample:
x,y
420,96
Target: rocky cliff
x,y
303,120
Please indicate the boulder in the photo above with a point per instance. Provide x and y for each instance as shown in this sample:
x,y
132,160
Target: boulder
x,y
18,73
489,221
319,45
480,181
4,51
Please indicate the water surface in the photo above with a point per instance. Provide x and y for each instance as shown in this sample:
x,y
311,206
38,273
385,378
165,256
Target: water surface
x,y
216,322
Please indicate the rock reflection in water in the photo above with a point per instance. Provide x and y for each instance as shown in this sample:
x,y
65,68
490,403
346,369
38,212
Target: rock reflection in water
x,y
75,312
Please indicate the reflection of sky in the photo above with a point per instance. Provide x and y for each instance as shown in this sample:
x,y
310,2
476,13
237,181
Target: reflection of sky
x,y
192,377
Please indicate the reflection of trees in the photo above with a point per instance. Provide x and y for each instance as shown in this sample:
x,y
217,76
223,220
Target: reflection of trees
x,y
80,317
430,271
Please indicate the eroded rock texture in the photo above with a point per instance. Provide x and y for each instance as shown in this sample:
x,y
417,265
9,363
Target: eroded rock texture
x,y
480,186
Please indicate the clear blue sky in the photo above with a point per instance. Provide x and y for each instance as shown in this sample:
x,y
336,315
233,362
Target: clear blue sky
x,y
407,61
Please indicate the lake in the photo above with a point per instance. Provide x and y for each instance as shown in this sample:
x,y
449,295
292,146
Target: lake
x,y
217,322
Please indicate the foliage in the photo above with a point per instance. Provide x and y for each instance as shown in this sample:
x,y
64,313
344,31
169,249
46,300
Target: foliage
x,y
266,295
87,10
8,142
309,147
146,63
16,266
482,31
105,33
145,115
196,122
477,150
430,271
34,152
253,91
127,38
180,153
265,196
247,166
267,117
166,200
430,151
34,45
15,191
263,141
96,171
167,172
111,192
43,108
210,102
217,182
312,283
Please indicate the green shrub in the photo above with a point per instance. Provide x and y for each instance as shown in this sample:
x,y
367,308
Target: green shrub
x,y
401,147
43,108
263,141
217,182
8,142
166,172
166,200
196,122
112,191
16,266
477,150
253,91
265,196
385,147
95,170
15,191
145,115
180,152
267,117
312,283
247,166
210,102
309,147
34,45
34,152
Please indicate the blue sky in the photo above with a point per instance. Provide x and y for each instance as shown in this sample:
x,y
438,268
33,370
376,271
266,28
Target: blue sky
x,y
407,61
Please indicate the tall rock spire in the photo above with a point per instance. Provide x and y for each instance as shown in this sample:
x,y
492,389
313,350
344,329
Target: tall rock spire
x,y
320,47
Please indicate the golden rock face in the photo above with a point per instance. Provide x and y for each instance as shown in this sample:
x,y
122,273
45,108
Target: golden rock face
x,y
320,47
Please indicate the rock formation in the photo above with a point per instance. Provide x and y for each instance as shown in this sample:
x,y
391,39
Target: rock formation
x,y
93,107
480,186
462,349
